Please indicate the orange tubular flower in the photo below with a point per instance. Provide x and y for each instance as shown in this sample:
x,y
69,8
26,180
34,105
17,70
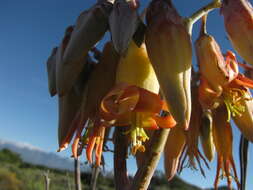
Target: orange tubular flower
x,y
192,136
95,141
135,106
134,100
123,22
104,73
213,68
238,19
223,140
173,149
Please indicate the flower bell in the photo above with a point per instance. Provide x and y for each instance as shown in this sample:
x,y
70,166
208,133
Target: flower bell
x,y
238,20
135,69
128,105
169,49
134,100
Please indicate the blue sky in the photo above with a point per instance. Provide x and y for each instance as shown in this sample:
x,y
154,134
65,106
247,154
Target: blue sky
x,y
29,30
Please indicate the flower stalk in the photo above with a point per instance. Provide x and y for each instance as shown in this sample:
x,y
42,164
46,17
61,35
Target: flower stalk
x,y
120,155
190,21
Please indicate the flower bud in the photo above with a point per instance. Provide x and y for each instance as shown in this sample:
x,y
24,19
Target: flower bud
x,y
206,136
169,49
123,23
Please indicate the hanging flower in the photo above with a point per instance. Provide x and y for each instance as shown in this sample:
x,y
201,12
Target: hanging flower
x,y
214,69
134,100
238,20
93,93
169,49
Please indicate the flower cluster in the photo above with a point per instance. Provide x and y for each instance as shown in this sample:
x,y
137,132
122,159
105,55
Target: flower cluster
x,y
143,80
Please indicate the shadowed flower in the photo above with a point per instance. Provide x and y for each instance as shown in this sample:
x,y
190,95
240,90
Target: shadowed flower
x,y
104,73
123,22
90,27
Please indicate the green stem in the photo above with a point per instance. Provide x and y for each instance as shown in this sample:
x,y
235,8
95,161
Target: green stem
x,y
144,174
199,13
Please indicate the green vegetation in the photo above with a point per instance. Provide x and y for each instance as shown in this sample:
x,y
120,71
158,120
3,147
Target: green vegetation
x,y
18,175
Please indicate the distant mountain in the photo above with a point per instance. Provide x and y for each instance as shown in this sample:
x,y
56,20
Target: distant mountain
x,y
34,155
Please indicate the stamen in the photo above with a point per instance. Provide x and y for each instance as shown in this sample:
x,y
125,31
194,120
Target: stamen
x,y
137,133
233,100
